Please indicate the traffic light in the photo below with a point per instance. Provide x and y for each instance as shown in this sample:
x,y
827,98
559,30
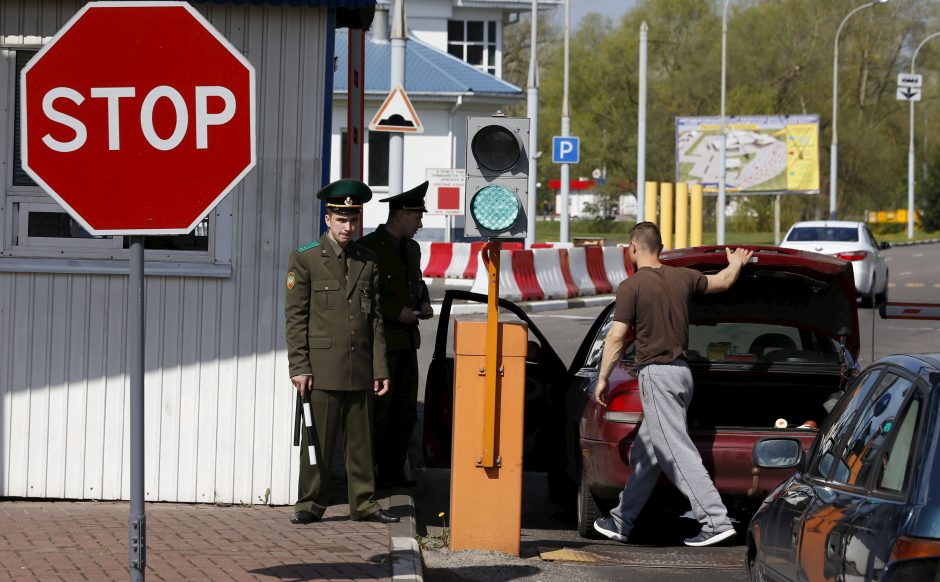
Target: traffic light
x,y
497,177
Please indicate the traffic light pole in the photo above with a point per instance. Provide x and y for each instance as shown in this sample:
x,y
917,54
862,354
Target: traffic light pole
x,y
137,521
532,110
564,211
396,141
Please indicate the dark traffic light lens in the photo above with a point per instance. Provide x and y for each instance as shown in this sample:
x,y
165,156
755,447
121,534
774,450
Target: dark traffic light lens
x,y
495,208
495,148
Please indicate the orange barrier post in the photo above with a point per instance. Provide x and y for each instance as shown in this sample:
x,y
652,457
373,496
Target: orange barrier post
x,y
489,401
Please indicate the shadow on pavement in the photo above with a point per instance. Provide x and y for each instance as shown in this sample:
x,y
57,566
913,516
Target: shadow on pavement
x,y
500,573
345,570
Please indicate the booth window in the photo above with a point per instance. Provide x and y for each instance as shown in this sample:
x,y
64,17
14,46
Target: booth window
x,y
378,158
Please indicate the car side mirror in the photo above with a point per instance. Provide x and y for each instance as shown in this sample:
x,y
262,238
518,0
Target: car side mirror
x,y
884,245
777,453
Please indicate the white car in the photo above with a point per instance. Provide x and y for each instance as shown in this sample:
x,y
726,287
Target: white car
x,y
851,241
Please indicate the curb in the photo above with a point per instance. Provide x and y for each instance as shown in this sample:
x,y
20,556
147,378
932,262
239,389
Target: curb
x,y
916,242
531,306
402,543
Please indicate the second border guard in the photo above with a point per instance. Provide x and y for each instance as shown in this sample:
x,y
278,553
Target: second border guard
x,y
405,301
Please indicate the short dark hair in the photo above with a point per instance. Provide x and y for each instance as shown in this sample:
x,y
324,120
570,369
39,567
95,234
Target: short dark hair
x,y
646,235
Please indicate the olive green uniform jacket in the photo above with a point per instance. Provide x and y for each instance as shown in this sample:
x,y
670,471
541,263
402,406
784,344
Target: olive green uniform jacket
x,y
400,285
334,330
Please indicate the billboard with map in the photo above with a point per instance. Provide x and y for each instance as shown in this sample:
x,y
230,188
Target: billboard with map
x,y
765,154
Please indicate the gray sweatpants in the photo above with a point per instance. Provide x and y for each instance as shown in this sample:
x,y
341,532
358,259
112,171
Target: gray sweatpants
x,y
663,445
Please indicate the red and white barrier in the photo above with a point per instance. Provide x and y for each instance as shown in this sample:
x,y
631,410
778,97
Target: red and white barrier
x,y
523,270
439,258
549,274
508,289
577,263
460,258
615,265
595,266
425,253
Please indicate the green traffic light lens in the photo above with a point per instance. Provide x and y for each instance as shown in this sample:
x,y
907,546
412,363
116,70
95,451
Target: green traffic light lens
x,y
495,208
495,148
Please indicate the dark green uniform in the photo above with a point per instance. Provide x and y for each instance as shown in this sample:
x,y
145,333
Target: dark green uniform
x,y
334,332
401,286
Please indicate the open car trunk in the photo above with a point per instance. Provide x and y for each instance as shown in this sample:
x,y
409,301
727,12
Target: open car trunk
x,y
755,400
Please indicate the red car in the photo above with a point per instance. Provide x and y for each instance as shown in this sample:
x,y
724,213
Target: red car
x,y
769,358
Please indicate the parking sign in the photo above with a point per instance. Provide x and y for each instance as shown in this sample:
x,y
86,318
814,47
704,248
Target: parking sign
x,y
565,150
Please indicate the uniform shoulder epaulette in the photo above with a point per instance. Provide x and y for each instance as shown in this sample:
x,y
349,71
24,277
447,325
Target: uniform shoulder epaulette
x,y
308,246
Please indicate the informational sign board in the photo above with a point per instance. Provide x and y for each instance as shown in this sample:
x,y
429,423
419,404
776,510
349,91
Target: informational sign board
x,y
566,150
909,93
910,80
134,136
445,191
766,154
396,114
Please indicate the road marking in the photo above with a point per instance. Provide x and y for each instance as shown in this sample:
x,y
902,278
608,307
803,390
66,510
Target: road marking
x,y
936,285
892,285
918,285
918,254
907,273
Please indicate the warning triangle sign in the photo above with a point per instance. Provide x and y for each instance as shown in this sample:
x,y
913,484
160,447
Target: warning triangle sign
x,y
396,114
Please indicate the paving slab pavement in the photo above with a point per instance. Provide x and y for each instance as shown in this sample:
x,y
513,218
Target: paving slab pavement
x,y
86,540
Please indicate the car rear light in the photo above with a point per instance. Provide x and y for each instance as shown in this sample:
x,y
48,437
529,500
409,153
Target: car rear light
x,y
908,548
624,406
853,256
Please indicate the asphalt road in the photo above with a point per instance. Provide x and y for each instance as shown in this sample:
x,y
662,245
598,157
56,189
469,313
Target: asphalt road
x,y
914,277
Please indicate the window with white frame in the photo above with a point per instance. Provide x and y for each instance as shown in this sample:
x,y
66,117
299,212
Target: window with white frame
x,y
474,42
35,226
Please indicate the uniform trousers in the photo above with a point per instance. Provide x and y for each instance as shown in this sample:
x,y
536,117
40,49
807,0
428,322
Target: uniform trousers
x,y
333,410
663,445
396,413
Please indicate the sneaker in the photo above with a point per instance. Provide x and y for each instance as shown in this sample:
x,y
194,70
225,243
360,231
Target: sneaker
x,y
607,527
709,539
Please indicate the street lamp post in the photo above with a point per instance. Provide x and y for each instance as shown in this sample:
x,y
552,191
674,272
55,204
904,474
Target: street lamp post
x,y
723,163
910,150
834,149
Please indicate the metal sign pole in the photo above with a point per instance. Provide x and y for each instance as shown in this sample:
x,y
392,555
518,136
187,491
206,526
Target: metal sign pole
x,y
137,521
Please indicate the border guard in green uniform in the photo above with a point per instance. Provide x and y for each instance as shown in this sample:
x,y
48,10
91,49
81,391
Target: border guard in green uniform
x,y
405,300
336,350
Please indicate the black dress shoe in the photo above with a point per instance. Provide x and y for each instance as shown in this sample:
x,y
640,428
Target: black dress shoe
x,y
303,517
381,516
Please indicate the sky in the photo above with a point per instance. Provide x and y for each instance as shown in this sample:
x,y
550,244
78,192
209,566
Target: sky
x,y
612,8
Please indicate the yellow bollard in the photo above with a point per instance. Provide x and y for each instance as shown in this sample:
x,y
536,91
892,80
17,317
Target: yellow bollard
x,y
665,214
695,212
486,502
650,206
682,215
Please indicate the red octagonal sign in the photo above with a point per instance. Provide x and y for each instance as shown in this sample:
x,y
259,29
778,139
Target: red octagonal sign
x,y
138,117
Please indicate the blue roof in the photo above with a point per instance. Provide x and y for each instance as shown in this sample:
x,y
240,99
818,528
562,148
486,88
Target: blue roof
x,y
428,71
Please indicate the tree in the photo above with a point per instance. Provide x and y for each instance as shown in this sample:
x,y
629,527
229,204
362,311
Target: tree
x,y
930,199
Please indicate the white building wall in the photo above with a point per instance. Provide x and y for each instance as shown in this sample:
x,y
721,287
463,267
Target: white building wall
x,y
219,406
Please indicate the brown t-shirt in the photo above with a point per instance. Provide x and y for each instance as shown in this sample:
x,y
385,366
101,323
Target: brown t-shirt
x,y
655,303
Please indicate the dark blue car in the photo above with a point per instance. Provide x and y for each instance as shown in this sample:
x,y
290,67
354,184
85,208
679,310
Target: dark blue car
x,y
865,501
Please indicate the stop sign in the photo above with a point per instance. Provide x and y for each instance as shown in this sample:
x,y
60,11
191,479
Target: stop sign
x,y
138,117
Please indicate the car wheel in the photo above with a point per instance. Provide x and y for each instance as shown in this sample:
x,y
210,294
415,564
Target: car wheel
x,y
883,296
588,512
754,573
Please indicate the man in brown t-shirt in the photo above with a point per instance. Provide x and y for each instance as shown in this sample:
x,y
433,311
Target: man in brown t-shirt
x,y
655,303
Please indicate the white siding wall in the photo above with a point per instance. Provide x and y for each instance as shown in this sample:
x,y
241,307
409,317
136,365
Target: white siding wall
x,y
219,403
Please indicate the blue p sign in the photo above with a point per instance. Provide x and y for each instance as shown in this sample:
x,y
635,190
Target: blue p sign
x,y
565,150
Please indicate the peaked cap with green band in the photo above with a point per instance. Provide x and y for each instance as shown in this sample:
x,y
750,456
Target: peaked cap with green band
x,y
410,199
345,196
